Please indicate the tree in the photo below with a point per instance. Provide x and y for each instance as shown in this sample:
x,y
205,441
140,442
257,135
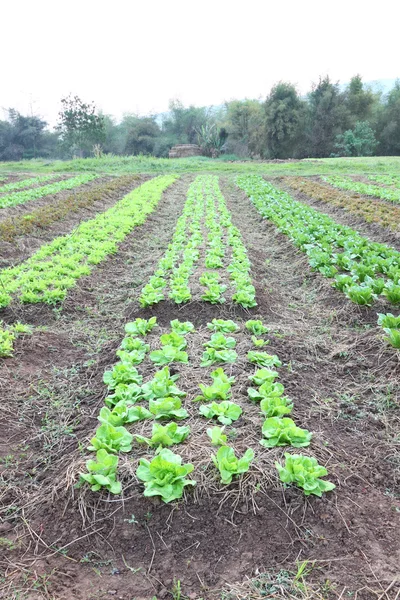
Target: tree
x,y
359,141
285,113
182,124
24,137
142,136
360,101
79,126
328,116
389,123
244,122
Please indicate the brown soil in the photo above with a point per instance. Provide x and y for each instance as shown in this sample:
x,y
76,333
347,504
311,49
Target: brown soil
x,y
344,383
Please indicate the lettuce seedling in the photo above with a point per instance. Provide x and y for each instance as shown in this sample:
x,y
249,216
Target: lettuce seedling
x,y
208,279
222,326
113,439
305,472
360,294
180,294
342,282
132,358
121,373
256,327
141,326
167,408
258,342
220,342
124,392
392,292
150,296
228,465
162,385
6,343
102,473
245,298
131,344
284,432
389,321
123,413
393,337
182,328
263,359
167,355
219,390
165,435
212,356
173,339
217,436
266,390
225,412
165,475
263,375
276,406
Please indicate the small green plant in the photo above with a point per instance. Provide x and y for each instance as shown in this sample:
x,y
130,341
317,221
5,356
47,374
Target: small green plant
x,y
165,435
263,359
388,320
165,475
305,472
258,342
102,473
182,328
284,432
162,385
225,412
217,436
392,337
219,390
141,326
173,339
360,294
229,465
223,326
122,373
276,406
6,343
110,438
123,413
256,327
168,354
266,390
263,376
167,408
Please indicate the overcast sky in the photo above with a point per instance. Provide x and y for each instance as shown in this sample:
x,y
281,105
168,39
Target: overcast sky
x,y
131,56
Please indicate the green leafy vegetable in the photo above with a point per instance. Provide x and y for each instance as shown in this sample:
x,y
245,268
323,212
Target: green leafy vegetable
x,y
224,411
168,354
223,326
102,472
173,339
165,435
263,375
284,432
276,406
141,326
182,328
121,373
219,390
389,321
305,472
220,342
124,392
162,385
266,390
217,436
165,475
393,337
123,413
110,438
263,359
229,465
256,327
167,408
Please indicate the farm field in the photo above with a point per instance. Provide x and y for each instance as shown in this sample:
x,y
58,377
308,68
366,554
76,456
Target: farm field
x,y
199,367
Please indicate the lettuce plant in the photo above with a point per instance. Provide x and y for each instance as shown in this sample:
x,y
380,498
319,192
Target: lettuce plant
x,y
220,342
113,439
6,343
212,356
141,326
263,359
167,408
123,413
392,337
162,385
256,327
222,326
173,339
182,327
276,406
258,342
392,293
263,375
121,373
360,294
266,390
132,358
168,354
217,436
284,432
165,435
305,472
165,475
102,473
219,390
389,321
128,393
229,465
131,344
225,412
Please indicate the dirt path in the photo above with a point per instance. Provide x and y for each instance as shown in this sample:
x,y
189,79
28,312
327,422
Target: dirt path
x,y
343,382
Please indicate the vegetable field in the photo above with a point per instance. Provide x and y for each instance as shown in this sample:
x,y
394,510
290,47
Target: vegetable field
x,y
200,381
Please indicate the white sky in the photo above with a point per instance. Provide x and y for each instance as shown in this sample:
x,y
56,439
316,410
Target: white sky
x,y
131,56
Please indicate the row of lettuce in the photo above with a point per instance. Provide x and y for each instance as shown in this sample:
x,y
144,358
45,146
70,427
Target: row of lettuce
x,y
362,269
24,196
55,267
204,238
130,400
391,194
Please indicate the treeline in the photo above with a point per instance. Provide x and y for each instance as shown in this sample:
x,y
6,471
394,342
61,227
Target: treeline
x,y
329,121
